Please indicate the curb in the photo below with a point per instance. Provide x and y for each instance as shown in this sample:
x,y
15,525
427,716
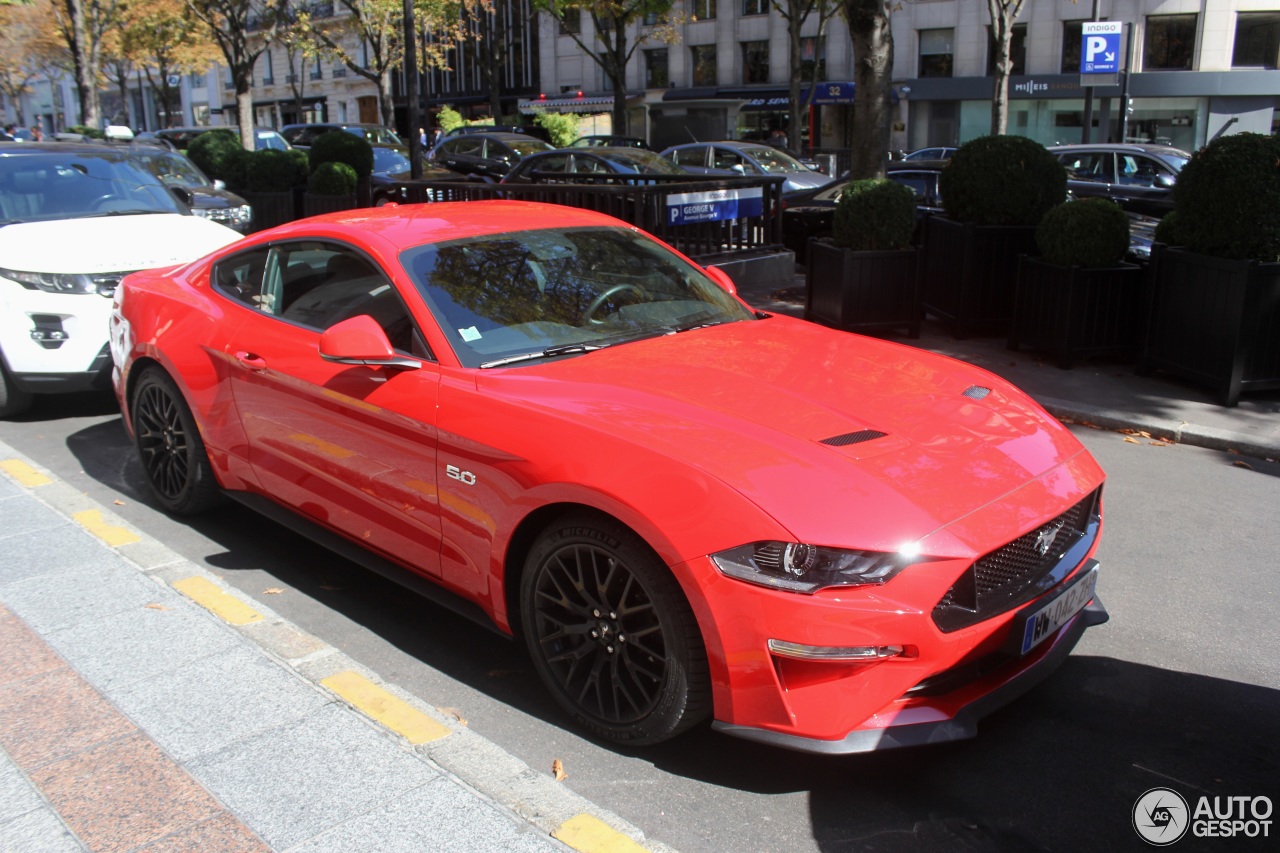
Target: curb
x,y
434,736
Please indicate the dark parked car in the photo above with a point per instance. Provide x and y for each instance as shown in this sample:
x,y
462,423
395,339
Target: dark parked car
x,y
484,128
1140,178
566,164
302,135
608,141
745,158
391,168
490,155
811,214
930,154
209,199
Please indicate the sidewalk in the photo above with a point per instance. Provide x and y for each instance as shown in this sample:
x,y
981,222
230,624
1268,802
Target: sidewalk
x,y
143,705
1108,394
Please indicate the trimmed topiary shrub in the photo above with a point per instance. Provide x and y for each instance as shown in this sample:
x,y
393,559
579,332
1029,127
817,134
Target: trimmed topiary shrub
x,y
1091,232
220,155
1227,199
91,132
1167,231
876,214
272,171
1002,180
333,178
338,146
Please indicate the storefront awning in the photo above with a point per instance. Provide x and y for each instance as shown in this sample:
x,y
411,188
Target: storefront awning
x,y
826,93
567,104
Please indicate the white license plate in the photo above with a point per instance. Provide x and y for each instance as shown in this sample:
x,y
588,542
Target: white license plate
x,y
1042,624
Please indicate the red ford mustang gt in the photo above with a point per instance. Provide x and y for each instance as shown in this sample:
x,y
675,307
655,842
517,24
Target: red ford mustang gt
x,y
685,508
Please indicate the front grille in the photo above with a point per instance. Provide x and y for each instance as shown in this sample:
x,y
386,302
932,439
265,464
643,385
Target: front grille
x,y
1018,572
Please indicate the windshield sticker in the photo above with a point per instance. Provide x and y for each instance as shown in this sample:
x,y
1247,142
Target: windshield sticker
x,y
469,334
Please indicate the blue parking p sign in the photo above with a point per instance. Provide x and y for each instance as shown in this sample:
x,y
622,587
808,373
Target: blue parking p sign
x,y
1100,47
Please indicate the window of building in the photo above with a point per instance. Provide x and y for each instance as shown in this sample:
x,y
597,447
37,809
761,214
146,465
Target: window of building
x,y
936,52
317,73
655,69
571,22
702,10
1017,50
755,7
1257,40
197,81
268,76
1169,43
813,59
1072,38
755,62
704,64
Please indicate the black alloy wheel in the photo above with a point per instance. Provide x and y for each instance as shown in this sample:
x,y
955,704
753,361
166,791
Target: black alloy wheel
x,y
611,633
173,455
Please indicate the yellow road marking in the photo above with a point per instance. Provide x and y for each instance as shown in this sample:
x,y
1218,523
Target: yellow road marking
x,y
222,604
592,835
24,473
92,521
396,714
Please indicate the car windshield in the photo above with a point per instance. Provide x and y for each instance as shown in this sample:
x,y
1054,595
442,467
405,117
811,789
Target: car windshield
x,y
523,147
389,161
376,135
637,160
526,295
67,185
172,168
774,161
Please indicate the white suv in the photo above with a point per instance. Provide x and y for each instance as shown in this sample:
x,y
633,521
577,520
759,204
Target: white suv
x,y
74,220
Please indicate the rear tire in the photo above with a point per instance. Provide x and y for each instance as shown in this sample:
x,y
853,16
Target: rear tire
x,y
13,400
611,634
169,444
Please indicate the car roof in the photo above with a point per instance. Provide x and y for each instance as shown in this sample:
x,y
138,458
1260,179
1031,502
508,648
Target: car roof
x,y
117,152
1130,147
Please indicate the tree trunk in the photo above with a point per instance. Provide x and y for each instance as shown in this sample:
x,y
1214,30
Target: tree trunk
x,y
872,41
796,108
386,106
244,107
1003,36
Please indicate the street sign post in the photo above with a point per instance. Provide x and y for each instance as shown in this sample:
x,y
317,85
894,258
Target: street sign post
x,y
1100,48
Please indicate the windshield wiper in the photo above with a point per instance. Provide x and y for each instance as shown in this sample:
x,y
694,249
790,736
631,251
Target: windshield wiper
x,y
694,324
549,352
134,212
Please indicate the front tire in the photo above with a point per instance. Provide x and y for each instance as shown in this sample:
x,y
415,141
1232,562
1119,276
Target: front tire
x,y
173,456
611,634
13,400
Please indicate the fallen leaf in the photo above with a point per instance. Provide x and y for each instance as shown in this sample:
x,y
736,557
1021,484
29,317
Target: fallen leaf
x,y
118,502
1141,433
1159,443
275,590
557,770
1240,464
1132,440
455,713
154,606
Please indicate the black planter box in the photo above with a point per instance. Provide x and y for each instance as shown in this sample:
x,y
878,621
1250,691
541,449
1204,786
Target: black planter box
x,y
1072,312
271,209
1214,322
968,273
314,205
862,291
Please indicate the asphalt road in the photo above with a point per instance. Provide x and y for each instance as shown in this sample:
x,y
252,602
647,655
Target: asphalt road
x,y
1181,689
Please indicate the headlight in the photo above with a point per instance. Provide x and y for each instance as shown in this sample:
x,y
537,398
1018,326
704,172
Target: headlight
x,y
808,568
232,216
54,282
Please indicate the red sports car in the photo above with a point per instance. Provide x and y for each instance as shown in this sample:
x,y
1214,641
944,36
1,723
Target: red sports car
x,y
686,508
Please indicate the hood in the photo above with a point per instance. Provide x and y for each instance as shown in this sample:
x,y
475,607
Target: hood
x,y
805,181
825,431
212,198
110,243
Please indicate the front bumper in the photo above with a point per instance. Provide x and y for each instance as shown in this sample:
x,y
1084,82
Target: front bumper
x,y
55,342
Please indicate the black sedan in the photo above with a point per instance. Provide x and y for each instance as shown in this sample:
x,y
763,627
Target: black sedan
x,y
1139,178
569,164
489,155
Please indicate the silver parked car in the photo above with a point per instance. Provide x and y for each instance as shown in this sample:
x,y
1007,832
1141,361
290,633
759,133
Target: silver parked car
x,y
745,158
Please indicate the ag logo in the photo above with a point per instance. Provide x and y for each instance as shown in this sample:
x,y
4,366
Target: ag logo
x,y
1161,817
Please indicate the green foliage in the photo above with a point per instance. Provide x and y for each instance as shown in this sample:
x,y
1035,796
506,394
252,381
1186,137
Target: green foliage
x,y
1168,230
562,127
1091,232
875,214
448,119
273,171
338,146
1002,180
1227,199
333,178
220,155
91,132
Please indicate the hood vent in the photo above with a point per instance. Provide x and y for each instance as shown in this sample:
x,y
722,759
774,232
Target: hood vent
x,y
976,392
853,437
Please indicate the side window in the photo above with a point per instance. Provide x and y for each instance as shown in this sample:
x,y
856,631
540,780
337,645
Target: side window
x,y
321,284
241,277
557,163
1094,166
917,182
691,156
723,158
467,147
589,166
1138,171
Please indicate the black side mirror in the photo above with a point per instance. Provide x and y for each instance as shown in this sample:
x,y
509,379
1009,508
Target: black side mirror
x,y
183,195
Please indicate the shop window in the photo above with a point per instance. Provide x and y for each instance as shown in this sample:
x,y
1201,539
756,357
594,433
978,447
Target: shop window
x,y
1017,50
704,64
655,69
755,62
813,59
1072,38
755,7
702,10
1257,40
936,52
1169,43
